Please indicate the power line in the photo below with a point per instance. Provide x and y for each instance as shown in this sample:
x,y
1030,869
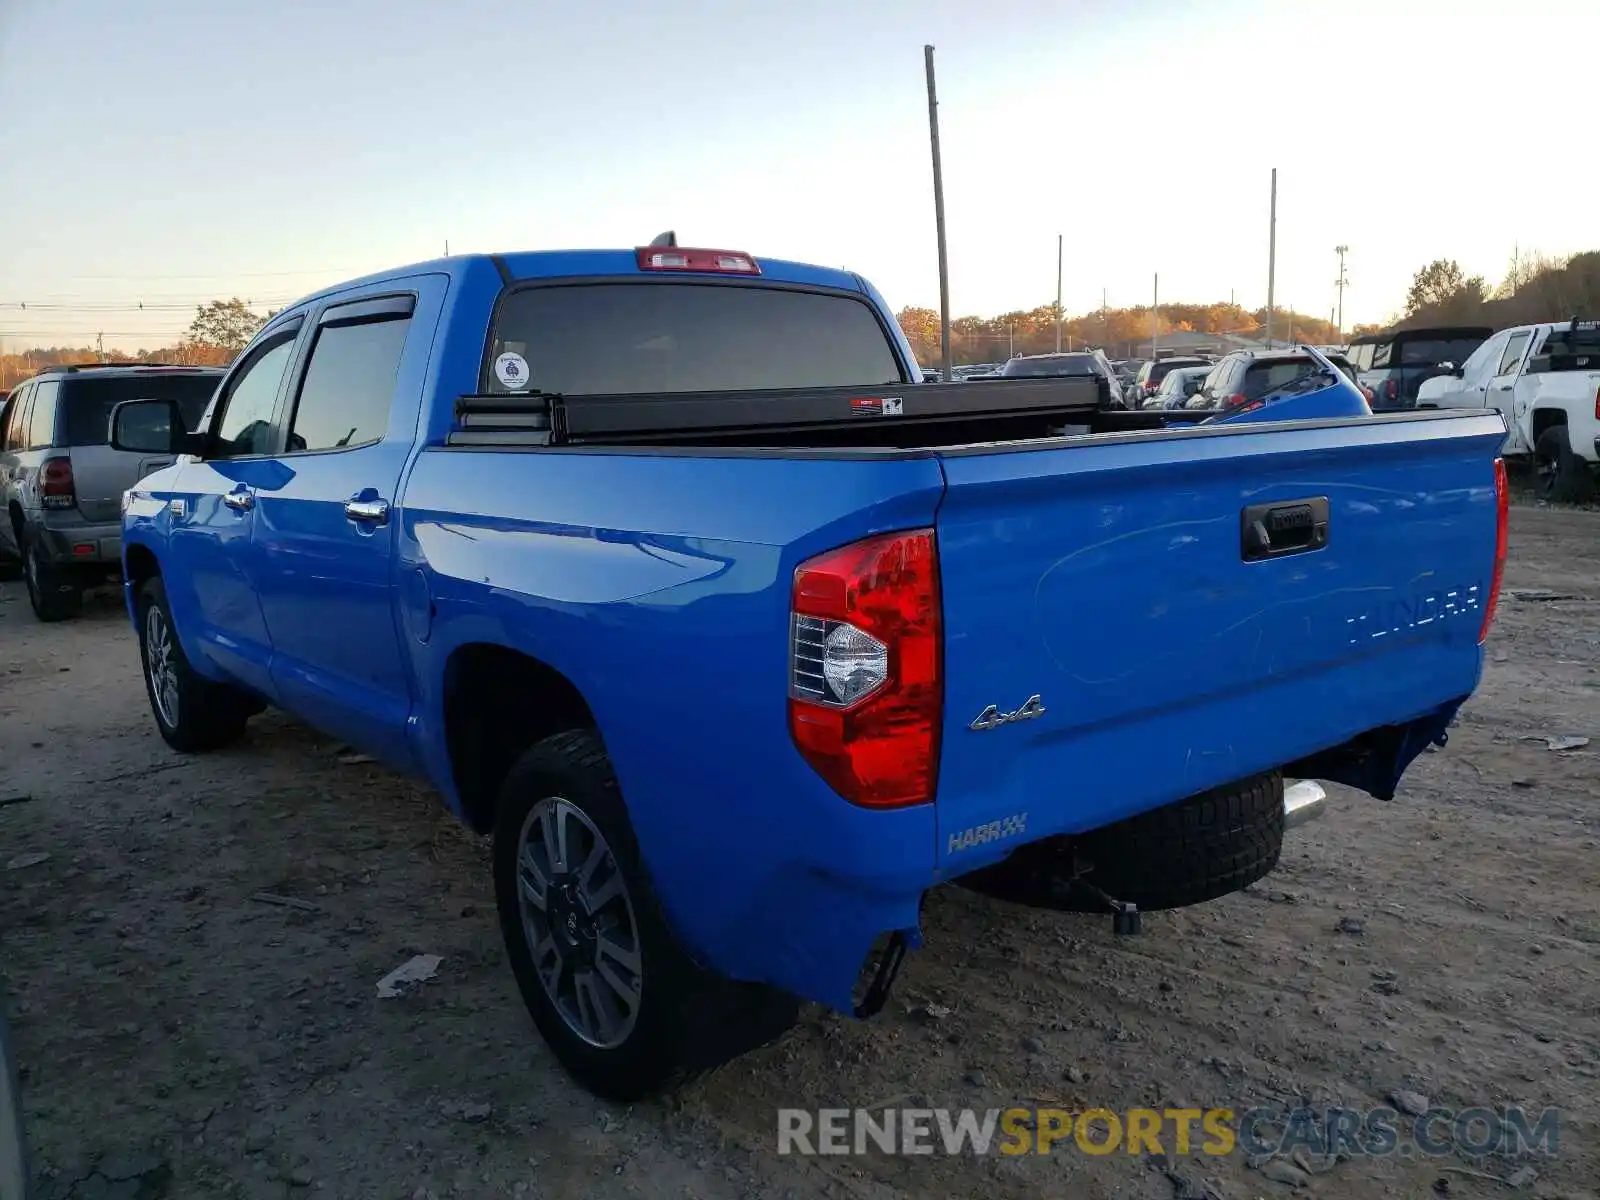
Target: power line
x,y
340,272
90,331
122,307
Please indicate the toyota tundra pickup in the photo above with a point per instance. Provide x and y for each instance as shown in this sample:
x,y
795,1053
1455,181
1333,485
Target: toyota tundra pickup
x,y
668,572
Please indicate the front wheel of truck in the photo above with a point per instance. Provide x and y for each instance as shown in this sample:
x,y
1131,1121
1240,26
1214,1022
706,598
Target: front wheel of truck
x,y
614,994
192,713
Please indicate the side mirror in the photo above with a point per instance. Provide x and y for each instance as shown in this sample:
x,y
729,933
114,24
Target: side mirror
x,y
151,427
1449,368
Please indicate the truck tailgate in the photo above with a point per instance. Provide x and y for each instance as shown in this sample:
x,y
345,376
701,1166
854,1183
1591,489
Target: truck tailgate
x,y
1116,639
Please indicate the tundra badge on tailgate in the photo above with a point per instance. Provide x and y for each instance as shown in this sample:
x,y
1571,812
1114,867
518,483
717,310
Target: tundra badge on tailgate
x,y
993,718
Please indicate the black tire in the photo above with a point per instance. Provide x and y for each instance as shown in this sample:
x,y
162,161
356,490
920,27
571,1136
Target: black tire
x,y
192,713
685,1019
1185,853
53,594
1560,476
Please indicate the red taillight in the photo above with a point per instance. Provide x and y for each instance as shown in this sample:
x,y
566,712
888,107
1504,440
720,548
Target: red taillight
x,y
56,489
1502,504
1391,389
676,258
865,690
1597,404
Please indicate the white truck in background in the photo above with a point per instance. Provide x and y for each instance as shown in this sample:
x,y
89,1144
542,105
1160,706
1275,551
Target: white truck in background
x,y
1545,380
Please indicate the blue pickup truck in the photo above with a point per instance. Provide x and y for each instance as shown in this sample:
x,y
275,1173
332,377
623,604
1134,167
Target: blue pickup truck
x,y
667,570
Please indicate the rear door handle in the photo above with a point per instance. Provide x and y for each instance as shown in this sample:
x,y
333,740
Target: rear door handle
x,y
239,500
1283,528
368,512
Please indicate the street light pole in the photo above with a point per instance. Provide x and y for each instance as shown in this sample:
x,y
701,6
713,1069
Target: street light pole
x,y
938,217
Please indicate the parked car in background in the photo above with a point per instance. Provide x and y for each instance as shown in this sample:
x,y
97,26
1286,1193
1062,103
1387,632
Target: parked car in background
x,y
1392,366
972,369
1148,381
1322,388
534,527
61,485
1545,381
1075,362
1178,388
1246,375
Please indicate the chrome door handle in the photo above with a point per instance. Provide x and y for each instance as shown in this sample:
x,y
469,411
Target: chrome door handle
x,y
375,512
239,501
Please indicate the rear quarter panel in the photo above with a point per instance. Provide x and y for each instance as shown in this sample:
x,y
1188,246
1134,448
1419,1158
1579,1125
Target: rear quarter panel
x,y
1577,395
660,586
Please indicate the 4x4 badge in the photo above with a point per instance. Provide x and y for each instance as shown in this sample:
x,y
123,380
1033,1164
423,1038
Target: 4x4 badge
x,y
993,718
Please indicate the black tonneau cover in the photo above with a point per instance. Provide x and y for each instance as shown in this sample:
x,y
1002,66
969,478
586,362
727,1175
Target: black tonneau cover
x,y
542,419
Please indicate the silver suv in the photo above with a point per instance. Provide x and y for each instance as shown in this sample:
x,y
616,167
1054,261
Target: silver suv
x,y
61,485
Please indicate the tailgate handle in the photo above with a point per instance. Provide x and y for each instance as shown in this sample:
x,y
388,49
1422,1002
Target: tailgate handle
x,y
1287,527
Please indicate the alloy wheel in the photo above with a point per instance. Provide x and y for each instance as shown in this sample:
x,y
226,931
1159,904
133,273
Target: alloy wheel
x,y
159,657
579,923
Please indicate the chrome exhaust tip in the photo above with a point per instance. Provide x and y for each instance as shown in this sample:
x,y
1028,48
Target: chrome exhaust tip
x,y
1303,801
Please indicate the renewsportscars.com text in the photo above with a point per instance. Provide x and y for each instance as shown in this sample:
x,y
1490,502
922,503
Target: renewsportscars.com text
x,y
1375,1132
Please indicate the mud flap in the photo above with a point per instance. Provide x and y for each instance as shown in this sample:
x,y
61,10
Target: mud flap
x,y
1376,761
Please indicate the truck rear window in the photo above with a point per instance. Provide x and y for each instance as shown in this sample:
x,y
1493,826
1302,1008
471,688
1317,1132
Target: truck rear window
x,y
86,402
640,338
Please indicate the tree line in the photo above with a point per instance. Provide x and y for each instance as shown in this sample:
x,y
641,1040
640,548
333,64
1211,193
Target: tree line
x,y
1536,287
1118,331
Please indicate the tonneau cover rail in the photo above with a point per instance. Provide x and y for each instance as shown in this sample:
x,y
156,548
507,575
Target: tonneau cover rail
x,y
545,419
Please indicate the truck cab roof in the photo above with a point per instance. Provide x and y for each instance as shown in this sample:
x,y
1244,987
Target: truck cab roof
x,y
531,265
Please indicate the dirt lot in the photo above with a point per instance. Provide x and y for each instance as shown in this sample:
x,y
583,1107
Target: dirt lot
x,y
181,1038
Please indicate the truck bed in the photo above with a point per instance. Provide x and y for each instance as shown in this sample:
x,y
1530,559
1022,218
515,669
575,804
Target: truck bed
x,y
1103,573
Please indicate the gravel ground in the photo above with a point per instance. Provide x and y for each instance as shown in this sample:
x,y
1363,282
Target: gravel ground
x,y
180,1036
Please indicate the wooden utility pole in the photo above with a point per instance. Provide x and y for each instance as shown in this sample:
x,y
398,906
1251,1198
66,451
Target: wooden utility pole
x,y
1155,316
1272,253
938,216
1058,293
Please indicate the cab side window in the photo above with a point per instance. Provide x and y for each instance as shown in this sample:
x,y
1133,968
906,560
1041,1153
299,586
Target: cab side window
x,y
13,434
243,423
1512,358
42,420
349,382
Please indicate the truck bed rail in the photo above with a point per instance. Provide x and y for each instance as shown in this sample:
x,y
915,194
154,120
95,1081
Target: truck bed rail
x,y
1571,347
546,419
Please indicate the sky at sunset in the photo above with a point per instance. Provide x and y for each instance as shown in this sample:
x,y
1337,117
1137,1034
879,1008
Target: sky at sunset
x,y
164,152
